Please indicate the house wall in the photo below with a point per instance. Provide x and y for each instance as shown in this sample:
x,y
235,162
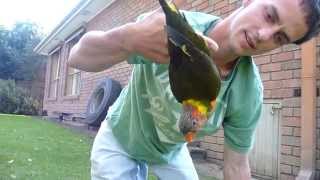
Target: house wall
x,y
280,71
318,111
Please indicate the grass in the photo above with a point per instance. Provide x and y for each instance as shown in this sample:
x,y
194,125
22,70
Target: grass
x,y
34,149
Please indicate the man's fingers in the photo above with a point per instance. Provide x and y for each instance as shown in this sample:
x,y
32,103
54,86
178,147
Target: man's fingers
x,y
212,44
158,10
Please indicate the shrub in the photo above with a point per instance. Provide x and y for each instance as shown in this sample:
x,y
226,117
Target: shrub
x,y
15,100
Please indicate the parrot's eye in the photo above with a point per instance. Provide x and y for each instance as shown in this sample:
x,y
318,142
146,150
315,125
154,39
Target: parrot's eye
x,y
194,123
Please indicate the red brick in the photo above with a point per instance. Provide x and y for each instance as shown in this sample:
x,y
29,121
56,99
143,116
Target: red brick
x,y
267,94
215,155
286,149
220,140
281,75
287,111
203,5
219,133
272,84
291,65
259,60
296,73
283,56
292,102
282,93
275,51
265,76
291,121
287,177
287,130
220,4
271,67
286,168
295,170
297,54
290,47
289,160
296,151
291,83
290,140
198,2
297,132
210,139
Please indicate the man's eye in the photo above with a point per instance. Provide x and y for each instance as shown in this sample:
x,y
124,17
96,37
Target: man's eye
x,y
269,18
280,39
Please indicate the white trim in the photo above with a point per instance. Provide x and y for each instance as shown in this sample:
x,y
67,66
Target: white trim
x,y
55,50
86,11
75,34
105,7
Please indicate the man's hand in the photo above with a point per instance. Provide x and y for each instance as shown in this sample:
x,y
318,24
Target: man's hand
x,y
150,39
236,165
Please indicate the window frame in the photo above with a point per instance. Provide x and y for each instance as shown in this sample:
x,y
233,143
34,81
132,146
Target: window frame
x,y
69,43
58,74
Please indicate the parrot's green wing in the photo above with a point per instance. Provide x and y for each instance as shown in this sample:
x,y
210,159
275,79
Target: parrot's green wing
x,y
192,73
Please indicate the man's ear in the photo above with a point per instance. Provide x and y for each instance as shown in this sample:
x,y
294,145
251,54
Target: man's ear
x,y
246,3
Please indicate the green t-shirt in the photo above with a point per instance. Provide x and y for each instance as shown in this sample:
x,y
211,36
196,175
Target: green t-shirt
x,y
144,118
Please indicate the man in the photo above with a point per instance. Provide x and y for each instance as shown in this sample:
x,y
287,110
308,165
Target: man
x,y
141,127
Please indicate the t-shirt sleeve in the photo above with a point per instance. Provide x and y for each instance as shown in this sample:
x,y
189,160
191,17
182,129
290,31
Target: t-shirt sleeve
x,y
240,136
243,114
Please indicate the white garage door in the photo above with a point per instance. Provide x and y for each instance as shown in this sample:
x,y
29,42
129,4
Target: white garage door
x,y
265,154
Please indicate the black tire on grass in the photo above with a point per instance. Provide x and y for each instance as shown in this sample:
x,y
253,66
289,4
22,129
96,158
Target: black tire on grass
x,y
100,100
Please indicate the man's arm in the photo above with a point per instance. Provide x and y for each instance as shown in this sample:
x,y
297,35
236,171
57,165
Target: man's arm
x,y
236,165
99,50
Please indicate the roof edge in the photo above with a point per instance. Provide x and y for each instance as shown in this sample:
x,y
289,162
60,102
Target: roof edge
x,y
82,13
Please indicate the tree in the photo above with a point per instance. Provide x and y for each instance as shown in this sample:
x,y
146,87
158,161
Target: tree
x,y
17,59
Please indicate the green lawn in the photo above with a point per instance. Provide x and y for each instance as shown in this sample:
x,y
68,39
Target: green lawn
x,y
34,149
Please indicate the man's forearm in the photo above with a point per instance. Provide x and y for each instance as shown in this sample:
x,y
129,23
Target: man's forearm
x,y
232,171
98,50
236,165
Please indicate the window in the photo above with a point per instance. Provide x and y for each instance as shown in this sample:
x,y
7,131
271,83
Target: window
x,y
73,76
54,74
72,82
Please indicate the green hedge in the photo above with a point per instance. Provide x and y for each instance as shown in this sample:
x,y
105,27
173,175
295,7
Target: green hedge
x,y
15,100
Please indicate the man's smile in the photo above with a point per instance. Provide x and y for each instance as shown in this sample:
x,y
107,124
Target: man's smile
x,y
250,40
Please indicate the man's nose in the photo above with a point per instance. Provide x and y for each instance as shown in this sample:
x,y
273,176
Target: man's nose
x,y
267,33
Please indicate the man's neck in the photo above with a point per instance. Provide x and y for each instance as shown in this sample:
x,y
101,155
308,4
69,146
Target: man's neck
x,y
220,33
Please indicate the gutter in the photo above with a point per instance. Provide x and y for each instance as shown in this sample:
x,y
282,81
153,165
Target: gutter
x,y
308,111
75,20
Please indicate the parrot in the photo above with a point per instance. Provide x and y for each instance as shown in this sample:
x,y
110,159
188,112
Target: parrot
x,y
194,78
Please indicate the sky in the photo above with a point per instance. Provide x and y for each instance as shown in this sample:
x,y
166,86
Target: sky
x,y
46,13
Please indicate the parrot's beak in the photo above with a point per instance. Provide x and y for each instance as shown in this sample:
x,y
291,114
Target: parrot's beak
x,y
189,136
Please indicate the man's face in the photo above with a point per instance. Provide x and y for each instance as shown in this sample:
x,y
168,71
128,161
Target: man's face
x,y
263,25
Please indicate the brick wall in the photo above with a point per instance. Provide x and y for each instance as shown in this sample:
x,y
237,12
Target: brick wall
x,y
279,69
318,111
